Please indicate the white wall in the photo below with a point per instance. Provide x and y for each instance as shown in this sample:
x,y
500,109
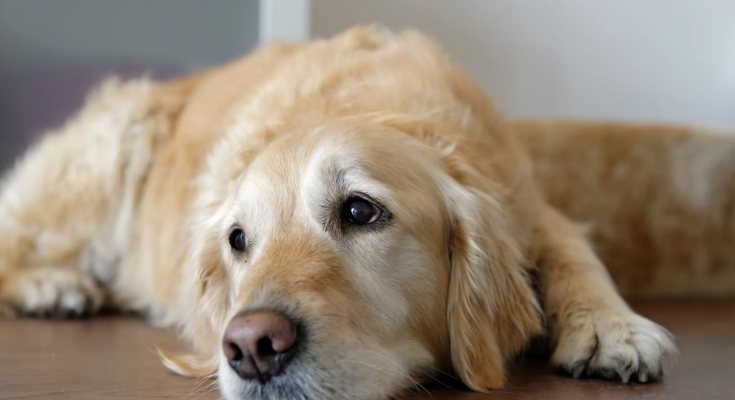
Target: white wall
x,y
636,60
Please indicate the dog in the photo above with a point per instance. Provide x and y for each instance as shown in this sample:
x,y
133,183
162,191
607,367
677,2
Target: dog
x,y
659,200
338,219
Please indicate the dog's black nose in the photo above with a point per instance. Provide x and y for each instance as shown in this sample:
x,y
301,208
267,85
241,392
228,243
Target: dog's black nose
x,y
259,344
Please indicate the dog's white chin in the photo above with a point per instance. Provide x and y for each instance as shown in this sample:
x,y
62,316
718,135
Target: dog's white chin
x,y
230,385
365,374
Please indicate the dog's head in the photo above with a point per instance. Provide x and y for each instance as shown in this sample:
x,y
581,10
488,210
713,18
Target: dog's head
x,y
349,256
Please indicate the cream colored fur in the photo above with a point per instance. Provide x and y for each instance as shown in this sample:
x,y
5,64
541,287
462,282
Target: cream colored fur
x,y
66,209
135,197
658,200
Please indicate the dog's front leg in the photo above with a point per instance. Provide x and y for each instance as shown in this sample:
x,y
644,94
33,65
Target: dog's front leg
x,y
68,198
595,333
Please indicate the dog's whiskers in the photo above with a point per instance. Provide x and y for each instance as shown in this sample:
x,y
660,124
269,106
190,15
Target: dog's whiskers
x,y
418,386
198,387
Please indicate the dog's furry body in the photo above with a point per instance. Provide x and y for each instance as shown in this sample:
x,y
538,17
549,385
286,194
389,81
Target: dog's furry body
x,y
132,200
660,200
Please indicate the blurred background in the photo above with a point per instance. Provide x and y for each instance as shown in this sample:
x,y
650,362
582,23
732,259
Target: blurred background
x,y
623,60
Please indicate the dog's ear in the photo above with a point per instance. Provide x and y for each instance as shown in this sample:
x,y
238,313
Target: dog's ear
x,y
205,275
491,310
203,269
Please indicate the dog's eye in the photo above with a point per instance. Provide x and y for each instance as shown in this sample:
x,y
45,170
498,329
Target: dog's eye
x,y
238,241
359,211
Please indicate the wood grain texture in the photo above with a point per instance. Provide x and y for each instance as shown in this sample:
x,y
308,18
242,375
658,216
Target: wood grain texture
x,y
114,357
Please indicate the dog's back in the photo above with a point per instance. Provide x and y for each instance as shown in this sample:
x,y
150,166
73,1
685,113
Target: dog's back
x,y
660,200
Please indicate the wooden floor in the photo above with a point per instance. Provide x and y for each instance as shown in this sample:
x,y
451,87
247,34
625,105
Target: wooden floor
x,y
113,358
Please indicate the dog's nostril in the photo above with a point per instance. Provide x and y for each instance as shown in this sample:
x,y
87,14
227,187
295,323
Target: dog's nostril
x,y
265,347
259,344
232,351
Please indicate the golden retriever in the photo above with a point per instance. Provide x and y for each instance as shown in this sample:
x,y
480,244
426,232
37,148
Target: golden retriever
x,y
338,219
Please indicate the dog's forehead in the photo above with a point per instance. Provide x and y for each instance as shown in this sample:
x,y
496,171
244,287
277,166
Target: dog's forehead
x,y
345,163
306,172
326,157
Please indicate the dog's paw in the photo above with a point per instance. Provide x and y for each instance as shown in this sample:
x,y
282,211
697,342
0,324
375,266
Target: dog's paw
x,y
50,293
610,345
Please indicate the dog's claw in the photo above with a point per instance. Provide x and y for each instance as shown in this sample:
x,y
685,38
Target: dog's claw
x,y
577,371
48,292
624,376
633,352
